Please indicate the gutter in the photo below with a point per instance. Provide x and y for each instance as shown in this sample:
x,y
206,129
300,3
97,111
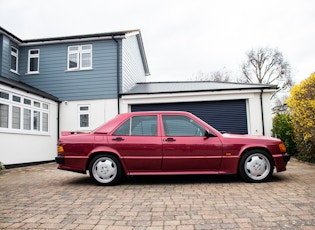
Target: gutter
x,y
66,40
262,112
118,85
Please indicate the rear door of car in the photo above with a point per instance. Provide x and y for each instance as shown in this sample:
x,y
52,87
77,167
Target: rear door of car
x,y
186,148
139,143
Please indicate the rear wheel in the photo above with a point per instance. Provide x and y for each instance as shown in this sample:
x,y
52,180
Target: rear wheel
x,y
105,169
256,166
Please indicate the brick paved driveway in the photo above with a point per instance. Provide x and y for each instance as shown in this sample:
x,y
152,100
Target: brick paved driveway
x,y
42,197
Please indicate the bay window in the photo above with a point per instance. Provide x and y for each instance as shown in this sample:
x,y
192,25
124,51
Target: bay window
x,y
23,114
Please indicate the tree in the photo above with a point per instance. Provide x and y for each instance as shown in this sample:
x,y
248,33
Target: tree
x,y
267,66
302,109
220,76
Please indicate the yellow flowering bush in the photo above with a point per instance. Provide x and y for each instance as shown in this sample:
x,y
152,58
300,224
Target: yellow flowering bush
x,y
302,109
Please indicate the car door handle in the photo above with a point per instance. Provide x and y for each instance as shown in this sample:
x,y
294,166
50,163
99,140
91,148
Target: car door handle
x,y
118,139
170,139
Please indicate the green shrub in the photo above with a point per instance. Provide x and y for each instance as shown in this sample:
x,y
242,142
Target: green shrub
x,y
282,128
306,149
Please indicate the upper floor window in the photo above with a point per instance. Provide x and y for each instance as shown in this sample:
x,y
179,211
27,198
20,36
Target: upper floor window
x,y
14,59
79,57
33,61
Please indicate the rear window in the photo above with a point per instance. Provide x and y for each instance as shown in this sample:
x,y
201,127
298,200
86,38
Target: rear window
x,y
138,126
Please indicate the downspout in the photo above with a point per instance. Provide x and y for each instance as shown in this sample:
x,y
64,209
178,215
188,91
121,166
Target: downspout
x,y
58,121
262,112
118,85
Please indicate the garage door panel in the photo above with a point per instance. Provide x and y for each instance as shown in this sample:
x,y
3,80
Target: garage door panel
x,y
228,116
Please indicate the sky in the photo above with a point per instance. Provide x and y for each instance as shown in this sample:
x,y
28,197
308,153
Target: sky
x,y
182,38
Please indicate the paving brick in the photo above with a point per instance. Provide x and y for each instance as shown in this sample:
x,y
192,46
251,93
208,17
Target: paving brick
x,y
42,197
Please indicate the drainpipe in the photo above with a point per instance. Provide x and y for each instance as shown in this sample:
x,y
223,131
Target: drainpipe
x,y
118,85
262,112
58,120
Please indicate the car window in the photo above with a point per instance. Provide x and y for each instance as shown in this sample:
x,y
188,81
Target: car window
x,y
176,125
138,126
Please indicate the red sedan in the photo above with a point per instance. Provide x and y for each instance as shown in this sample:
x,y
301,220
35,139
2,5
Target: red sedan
x,y
167,143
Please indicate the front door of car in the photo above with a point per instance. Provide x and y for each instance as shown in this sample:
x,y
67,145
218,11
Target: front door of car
x,y
186,148
138,143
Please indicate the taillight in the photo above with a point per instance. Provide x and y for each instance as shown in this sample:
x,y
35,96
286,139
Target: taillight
x,y
282,147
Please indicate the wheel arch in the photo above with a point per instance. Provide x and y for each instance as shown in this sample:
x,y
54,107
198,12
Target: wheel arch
x,y
246,150
94,154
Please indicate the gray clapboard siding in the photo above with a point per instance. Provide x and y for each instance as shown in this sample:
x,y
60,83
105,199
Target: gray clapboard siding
x,y
99,82
1,54
5,58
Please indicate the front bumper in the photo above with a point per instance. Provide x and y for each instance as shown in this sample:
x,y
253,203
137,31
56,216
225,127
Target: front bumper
x,y
281,161
286,157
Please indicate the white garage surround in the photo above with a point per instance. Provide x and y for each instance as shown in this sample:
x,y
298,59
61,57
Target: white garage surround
x,y
259,117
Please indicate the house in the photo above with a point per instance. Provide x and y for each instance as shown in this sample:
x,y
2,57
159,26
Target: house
x,y
77,83
65,83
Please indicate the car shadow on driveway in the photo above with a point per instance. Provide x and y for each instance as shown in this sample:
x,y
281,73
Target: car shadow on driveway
x,y
181,179
172,179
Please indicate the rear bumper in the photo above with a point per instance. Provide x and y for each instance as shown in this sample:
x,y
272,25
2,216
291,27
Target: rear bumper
x,y
74,164
60,160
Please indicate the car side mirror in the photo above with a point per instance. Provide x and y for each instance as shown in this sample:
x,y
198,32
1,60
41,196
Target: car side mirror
x,y
209,134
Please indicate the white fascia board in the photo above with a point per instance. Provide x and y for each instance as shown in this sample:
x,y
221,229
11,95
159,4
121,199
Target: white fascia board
x,y
236,94
71,40
132,34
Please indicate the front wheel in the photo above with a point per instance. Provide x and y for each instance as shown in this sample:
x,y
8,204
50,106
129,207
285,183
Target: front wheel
x,y
105,169
256,166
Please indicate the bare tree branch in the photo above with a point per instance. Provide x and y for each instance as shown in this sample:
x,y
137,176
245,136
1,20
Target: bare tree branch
x,y
220,76
267,66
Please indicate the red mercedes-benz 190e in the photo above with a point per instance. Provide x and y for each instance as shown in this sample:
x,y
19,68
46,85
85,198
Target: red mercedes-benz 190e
x,y
167,143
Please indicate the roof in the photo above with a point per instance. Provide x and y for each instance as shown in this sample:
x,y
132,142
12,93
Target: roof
x,y
120,34
10,35
27,88
65,38
192,86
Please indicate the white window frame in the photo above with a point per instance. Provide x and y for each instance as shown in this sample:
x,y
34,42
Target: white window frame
x,y
16,56
30,110
33,56
4,119
79,51
84,112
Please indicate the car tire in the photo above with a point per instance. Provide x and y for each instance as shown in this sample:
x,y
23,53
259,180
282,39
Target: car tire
x,y
256,166
105,169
